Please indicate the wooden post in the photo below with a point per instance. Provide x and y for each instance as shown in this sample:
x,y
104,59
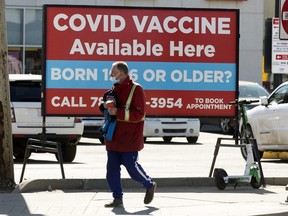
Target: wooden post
x,y
6,147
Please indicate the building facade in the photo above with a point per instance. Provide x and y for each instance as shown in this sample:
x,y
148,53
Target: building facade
x,y
24,30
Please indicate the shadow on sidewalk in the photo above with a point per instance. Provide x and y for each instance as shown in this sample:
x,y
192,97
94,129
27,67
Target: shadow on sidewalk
x,y
122,211
242,189
14,204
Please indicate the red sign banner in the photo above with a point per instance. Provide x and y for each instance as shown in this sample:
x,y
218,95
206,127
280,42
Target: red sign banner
x,y
185,59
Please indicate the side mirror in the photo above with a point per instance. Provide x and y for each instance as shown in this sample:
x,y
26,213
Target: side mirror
x,y
264,100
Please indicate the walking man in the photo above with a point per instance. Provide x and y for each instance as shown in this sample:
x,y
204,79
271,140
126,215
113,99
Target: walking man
x,y
124,138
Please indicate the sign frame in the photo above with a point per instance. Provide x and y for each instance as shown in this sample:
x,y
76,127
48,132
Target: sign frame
x,y
53,59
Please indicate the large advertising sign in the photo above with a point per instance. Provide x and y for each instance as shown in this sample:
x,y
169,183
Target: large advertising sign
x,y
185,59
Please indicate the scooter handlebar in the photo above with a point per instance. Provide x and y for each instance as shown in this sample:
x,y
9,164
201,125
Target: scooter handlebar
x,y
243,102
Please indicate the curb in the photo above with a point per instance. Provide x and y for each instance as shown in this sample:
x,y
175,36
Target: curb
x,y
91,184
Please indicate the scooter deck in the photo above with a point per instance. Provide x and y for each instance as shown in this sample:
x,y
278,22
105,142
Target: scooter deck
x,y
237,179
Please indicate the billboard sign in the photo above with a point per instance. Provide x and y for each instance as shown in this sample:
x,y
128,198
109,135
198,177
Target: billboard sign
x,y
185,59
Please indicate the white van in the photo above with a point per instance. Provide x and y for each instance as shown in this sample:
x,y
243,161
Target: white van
x,y
167,128
25,95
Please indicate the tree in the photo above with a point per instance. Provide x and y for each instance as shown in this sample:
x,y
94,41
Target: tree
x,y
6,149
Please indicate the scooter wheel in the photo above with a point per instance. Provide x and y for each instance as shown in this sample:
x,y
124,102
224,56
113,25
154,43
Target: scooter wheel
x,y
254,184
219,175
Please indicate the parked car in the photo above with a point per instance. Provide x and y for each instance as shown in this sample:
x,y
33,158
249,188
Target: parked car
x,y
247,90
167,128
25,96
92,127
267,123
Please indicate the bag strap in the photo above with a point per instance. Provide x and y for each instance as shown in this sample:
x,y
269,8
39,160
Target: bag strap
x,y
128,102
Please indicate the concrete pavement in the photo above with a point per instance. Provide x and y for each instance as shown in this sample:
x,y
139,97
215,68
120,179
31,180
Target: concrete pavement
x,y
177,193
174,196
168,201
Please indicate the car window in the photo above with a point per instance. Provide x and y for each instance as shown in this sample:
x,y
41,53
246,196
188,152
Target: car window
x,y
25,91
280,96
250,91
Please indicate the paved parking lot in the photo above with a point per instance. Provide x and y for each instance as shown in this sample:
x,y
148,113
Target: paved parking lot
x,y
160,160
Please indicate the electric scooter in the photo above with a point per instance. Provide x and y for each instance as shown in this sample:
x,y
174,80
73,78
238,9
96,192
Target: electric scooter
x,y
253,173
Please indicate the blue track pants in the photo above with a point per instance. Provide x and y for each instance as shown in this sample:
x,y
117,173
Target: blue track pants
x,y
136,172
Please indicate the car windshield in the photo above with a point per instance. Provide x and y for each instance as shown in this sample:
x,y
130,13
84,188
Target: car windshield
x,y
25,91
252,91
280,96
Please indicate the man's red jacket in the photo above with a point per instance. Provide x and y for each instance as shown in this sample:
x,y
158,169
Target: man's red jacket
x,y
128,135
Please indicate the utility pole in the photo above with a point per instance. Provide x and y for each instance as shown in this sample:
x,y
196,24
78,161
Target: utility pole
x,y
6,147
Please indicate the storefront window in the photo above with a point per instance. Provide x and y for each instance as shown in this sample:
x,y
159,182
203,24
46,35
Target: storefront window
x,y
33,27
14,19
14,61
24,33
33,61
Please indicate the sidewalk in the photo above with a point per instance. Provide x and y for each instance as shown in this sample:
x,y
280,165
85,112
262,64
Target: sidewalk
x,y
168,201
180,189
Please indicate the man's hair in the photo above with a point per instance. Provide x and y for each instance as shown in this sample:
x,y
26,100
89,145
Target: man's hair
x,y
121,66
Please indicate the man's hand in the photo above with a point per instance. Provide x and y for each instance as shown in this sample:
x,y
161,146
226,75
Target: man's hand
x,y
110,104
104,105
112,110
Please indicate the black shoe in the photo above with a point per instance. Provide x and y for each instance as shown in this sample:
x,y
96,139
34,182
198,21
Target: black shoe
x,y
150,193
114,203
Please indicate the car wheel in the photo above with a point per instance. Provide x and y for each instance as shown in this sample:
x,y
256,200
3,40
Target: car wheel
x,y
192,139
225,127
68,152
249,134
19,148
167,139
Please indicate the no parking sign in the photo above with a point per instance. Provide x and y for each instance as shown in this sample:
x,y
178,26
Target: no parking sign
x,y
284,20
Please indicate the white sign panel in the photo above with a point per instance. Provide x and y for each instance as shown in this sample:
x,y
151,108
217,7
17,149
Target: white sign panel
x,y
279,50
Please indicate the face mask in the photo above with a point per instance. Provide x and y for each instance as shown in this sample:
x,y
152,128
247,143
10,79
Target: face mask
x,y
114,80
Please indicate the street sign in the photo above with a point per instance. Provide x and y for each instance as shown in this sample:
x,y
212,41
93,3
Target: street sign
x,y
283,19
279,50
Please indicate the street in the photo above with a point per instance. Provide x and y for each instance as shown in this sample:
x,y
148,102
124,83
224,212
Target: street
x,y
160,160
